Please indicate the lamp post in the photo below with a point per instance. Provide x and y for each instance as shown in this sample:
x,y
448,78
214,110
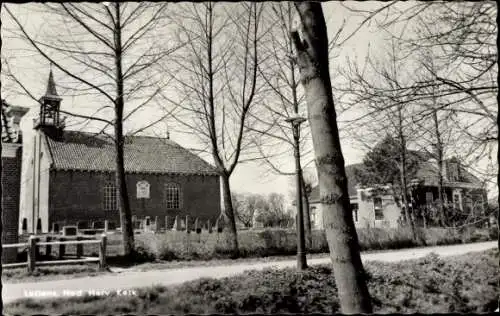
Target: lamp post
x,y
295,121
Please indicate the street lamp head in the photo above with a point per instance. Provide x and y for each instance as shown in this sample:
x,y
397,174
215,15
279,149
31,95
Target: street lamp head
x,y
296,120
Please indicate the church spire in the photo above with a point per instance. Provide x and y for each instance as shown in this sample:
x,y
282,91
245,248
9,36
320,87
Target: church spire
x,y
50,104
51,85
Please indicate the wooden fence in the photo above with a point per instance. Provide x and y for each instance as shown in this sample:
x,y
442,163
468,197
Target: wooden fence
x,y
33,245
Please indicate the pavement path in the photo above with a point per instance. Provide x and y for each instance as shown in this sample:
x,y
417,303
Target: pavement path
x,y
105,284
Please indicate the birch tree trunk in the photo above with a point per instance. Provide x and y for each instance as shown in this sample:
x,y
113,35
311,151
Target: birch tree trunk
x,y
312,58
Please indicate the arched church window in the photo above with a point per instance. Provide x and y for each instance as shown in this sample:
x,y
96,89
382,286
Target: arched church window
x,y
172,195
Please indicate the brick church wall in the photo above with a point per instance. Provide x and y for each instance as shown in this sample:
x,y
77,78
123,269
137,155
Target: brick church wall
x,y
78,196
11,177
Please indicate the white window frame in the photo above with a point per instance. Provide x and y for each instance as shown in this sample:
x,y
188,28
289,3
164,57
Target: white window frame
x,y
173,196
381,208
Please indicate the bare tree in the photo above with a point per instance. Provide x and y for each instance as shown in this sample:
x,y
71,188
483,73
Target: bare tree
x,y
106,50
218,74
461,38
312,59
380,88
245,205
273,134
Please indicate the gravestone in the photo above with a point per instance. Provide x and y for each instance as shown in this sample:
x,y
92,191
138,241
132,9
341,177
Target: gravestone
x,y
167,222
147,223
137,224
197,227
188,227
177,224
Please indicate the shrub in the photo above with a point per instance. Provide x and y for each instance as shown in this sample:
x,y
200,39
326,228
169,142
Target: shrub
x,y
174,245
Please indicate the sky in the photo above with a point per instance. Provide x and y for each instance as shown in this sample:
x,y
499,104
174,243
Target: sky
x,y
250,177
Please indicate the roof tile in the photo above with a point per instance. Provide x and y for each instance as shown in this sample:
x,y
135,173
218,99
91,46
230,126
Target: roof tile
x,y
93,152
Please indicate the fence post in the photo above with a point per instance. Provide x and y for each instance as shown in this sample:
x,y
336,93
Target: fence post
x,y
37,249
166,223
79,248
31,253
209,227
106,225
102,252
62,248
48,248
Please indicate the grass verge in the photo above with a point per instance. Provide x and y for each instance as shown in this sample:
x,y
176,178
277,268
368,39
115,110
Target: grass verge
x,y
462,284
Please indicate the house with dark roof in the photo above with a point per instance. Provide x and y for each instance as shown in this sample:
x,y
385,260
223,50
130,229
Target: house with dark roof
x,y
11,176
70,176
377,206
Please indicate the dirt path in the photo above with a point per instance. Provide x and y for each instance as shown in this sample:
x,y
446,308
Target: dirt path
x,y
132,279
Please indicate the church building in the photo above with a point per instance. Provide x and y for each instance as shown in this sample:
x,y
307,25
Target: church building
x,y
69,176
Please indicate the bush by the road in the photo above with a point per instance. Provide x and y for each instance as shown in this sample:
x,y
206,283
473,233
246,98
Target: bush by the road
x,y
175,245
463,284
279,242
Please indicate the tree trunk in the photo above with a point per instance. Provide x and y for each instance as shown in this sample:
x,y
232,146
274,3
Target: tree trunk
x,y
123,202
439,154
307,213
229,214
402,143
312,59
498,136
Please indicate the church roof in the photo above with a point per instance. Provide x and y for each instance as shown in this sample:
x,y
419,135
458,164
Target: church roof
x,y
92,152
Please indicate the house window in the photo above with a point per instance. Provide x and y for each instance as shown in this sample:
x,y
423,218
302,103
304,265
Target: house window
x,y
429,197
313,216
377,206
110,197
172,196
354,208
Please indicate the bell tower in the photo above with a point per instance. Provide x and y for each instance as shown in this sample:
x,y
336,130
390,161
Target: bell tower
x,y
50,119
